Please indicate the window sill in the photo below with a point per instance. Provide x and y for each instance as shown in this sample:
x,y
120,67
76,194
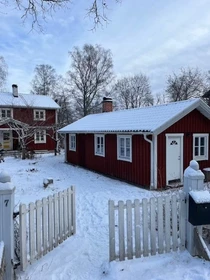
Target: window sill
x,y
100,155
125,159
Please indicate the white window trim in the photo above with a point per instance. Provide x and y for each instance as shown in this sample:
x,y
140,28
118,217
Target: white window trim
x,y
72,148
95,140
40,141
11,113
118,148
39,119
206,156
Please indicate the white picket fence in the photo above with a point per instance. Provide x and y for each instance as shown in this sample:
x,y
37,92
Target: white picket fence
x,y
146,228
45,224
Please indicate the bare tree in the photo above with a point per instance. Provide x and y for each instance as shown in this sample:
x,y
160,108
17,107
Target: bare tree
x,y
91,71
38,10
133,92
3,71
187,84
45,80
160,99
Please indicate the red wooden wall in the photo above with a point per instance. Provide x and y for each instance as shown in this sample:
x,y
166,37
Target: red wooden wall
x,y
26,115
194,122
137,172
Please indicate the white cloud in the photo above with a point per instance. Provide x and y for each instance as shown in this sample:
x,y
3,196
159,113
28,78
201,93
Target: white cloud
x,y
154,37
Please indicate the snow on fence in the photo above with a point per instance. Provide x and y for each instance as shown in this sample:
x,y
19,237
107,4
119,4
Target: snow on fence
x,y
148,227
45,224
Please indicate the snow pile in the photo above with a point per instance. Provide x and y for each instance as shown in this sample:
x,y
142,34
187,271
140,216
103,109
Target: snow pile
x,y
200,196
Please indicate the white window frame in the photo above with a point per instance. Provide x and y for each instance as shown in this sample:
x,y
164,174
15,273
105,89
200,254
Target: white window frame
x,y
39,118
119,155
206,146
6,111
99,151
40,133
72,142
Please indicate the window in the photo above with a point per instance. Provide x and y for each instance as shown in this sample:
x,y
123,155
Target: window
x,y
124,147
99,145
40,136
5,113
72,142
200,146
39,115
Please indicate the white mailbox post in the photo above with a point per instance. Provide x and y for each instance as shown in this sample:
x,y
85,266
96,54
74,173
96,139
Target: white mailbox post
x,y
193,181
6,222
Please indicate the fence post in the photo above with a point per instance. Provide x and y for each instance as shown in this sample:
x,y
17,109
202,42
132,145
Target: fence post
x,y
6,222
193,181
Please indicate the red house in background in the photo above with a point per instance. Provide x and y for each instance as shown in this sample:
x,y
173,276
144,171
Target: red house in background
x,y
32,117
148,146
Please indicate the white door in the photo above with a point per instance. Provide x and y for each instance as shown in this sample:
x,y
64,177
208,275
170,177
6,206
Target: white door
x,y
174,157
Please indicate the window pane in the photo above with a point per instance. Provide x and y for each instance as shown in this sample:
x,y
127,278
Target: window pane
x,y
8,113
202,151
196,141
202,141
196,151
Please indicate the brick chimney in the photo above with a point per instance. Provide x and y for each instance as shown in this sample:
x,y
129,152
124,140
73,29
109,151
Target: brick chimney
x,y
15,90
107,105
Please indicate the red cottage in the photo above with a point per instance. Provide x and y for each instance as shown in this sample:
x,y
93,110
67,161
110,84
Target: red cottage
x,y
148,146
29,118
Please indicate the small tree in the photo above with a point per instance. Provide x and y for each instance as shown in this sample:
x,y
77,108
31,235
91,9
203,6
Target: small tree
x,y
185,85
91,71
133,92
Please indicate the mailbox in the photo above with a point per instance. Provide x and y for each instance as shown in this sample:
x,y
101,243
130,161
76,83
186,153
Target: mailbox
x,y
199,208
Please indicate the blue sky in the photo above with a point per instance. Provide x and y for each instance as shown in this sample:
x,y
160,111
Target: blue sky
x,y
154,37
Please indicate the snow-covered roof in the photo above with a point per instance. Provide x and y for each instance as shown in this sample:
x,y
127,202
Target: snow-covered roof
x,y
200,196
154,119
27,100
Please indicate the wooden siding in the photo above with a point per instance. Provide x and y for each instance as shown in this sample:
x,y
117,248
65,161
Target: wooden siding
x,y
137,172
194,122
26,115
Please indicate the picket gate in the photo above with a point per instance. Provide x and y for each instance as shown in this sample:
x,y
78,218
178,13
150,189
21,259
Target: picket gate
x,y
147,227
45,224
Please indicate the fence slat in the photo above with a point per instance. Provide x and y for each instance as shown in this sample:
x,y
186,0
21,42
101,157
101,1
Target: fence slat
x,y
182,220
111,231
56,220
167,224
129,229
145,227
50,222
137,228
65,212
31,233
160,224
23,237
44,225
153,225
38,229
60,207
121,231
73,210
174,223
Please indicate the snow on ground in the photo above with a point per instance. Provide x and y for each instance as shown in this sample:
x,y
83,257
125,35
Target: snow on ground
x,y
85,255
